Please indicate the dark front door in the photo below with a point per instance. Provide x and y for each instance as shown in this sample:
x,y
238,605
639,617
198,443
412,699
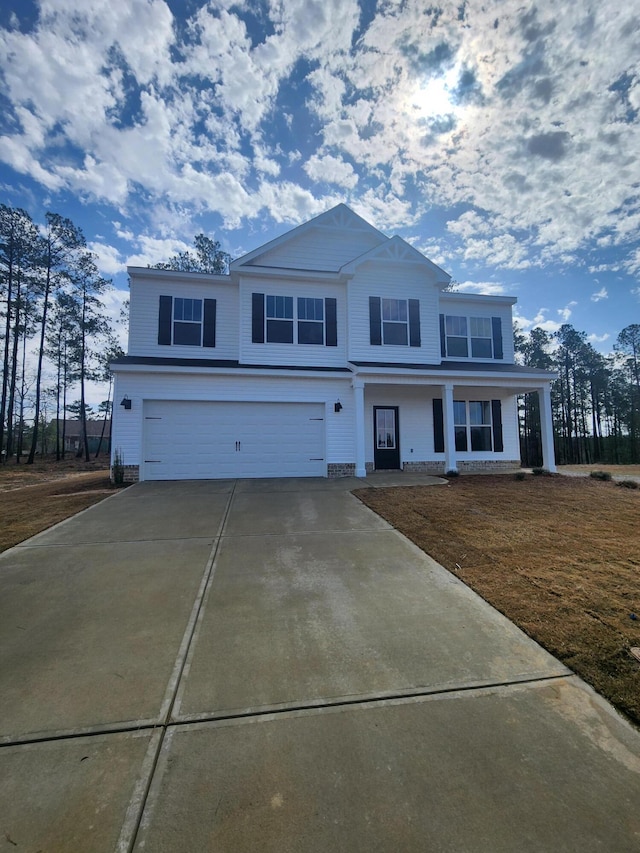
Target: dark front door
x,y
386,453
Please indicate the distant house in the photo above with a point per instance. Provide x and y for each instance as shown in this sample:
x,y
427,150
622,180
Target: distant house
x,y
332,350
72,431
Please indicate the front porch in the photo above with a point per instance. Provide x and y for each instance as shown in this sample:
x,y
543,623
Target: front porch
x,y
413,421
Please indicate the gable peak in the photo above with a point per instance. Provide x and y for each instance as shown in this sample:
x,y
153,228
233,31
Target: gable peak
x,y
342,217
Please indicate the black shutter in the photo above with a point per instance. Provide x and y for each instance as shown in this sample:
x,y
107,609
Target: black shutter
x,y
438,426
414,322
331,320
443,341
375,321
209,331
164,320
496,328
257,318
496,417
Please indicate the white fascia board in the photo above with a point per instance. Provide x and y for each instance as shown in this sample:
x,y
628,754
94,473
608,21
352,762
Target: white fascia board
x,y
174,275
228,371
456,296
439,377
258,272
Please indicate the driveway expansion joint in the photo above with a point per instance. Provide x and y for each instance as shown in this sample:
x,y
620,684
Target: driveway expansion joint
x,y
138,801
363,700
254,714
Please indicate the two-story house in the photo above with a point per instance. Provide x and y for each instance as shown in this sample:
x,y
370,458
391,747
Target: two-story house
x,y
332,350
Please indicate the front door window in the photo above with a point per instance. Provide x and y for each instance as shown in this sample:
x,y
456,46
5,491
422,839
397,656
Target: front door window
x,y
386,429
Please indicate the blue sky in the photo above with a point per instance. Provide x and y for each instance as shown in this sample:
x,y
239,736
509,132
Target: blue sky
x,y
499,138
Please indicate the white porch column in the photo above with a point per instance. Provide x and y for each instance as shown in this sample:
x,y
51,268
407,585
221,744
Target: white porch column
x,y
358,393
449,428
546,428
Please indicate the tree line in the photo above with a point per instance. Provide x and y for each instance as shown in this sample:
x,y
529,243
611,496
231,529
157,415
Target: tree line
x,y
595,399
50,306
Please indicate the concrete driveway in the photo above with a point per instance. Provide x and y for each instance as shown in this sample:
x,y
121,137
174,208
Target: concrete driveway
x,y
267,665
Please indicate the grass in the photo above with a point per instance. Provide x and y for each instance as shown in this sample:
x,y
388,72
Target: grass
x,y
558,556
33,497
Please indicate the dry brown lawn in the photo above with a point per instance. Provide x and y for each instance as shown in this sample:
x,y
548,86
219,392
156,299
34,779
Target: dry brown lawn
x,y
33,497
558,556
615,470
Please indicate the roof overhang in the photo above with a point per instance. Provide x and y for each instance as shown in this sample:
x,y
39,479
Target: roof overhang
x,y
212,367
457,296
516,378
175,275
291,273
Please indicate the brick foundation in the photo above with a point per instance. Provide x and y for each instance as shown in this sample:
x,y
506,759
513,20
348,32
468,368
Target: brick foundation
x,y
436,468
341,469
489,466
468,467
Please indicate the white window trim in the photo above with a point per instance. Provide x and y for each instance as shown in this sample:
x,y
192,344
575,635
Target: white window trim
x,y
295,320
404,323
199,323
469,338
468,425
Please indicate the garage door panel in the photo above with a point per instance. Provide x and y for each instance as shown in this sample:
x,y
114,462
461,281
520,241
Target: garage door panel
x,y
209,440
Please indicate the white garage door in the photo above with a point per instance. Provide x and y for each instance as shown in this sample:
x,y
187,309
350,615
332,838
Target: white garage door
x,y
186,440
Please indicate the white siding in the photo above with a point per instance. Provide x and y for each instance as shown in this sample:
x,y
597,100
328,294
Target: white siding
x,y
394,281
292,354
128,425
475,308
143,319
415,416
414,420
320,249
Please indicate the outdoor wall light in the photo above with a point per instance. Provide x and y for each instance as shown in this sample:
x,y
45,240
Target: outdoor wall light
x,y
126,402
337,407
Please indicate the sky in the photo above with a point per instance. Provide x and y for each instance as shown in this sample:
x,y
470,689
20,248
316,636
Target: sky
x,y
501,139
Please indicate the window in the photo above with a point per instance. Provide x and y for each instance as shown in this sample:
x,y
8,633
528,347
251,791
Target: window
x,y
481,337
472,422
280,319
385,429
187,322
472,335
310,321
456,331
395,322
289,320
460,423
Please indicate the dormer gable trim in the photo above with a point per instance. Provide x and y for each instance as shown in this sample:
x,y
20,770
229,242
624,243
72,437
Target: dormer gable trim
x,y
398,251
338,218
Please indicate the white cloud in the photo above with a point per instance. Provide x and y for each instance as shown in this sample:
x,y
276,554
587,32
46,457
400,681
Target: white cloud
x,y
489,288
331,170
598,339
566,312
154,250
108,259
520,113
541,321
632,264
600,295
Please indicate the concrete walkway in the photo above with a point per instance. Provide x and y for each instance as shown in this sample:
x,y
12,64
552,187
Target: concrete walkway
x,y
267,665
